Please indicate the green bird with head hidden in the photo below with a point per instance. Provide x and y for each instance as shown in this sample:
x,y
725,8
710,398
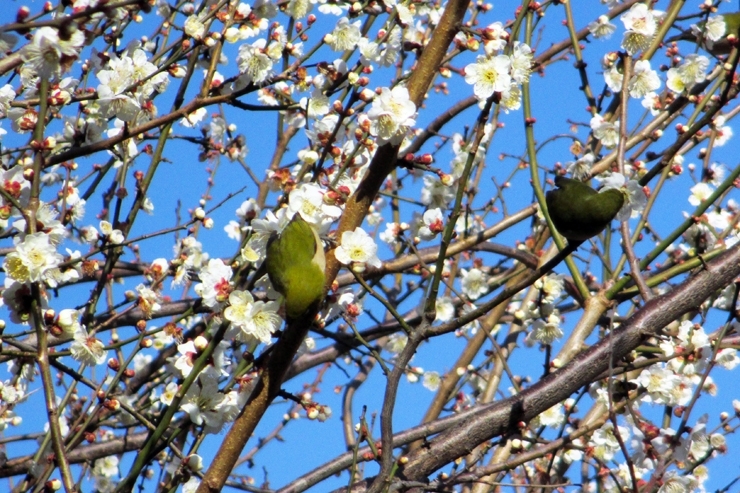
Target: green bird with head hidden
x,y
580,212
295,265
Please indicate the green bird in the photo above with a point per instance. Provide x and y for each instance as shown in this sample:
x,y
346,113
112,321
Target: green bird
x,y
295,265
720,47
580,212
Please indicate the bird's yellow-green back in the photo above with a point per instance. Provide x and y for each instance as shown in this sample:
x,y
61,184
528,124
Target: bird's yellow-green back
x,y
580,212
295,265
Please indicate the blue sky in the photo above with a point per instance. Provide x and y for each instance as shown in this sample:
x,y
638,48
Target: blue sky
x,y
559,107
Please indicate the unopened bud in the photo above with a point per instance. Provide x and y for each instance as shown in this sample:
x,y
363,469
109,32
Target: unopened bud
x,y
22,14
53,485
200,343
112,404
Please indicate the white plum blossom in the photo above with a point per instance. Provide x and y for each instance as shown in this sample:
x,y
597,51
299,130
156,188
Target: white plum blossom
x,y
444,308
657,381
489,75
87,349
391,114
317,105
435,192
330,8
727,358
119,81
545,332
9,393
309,200
191,120
187,354
716,174
298,9
23,120
169,393
233,230
713,30
215,285
159,268
677,483
511,99
370,52
191,251
636,198
144,73
551,287
261,230
643,80
606,132
601,28
495,38
194,27
7,95
48,54
433,224
719,220
405,16
690,347
323,127
254,63
605,439
248,210
277,44
699,193
474,283
345,35
387,53
15,185
640,19
393,233
128,147
692,70
431,380
203,402
33,258
264,9
345,301
357,250
67,275
724,132
254,319
581,168
69,320
674,81
192,485
114,236
46,221
149,301
521,62
641,24
553,417
106,466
